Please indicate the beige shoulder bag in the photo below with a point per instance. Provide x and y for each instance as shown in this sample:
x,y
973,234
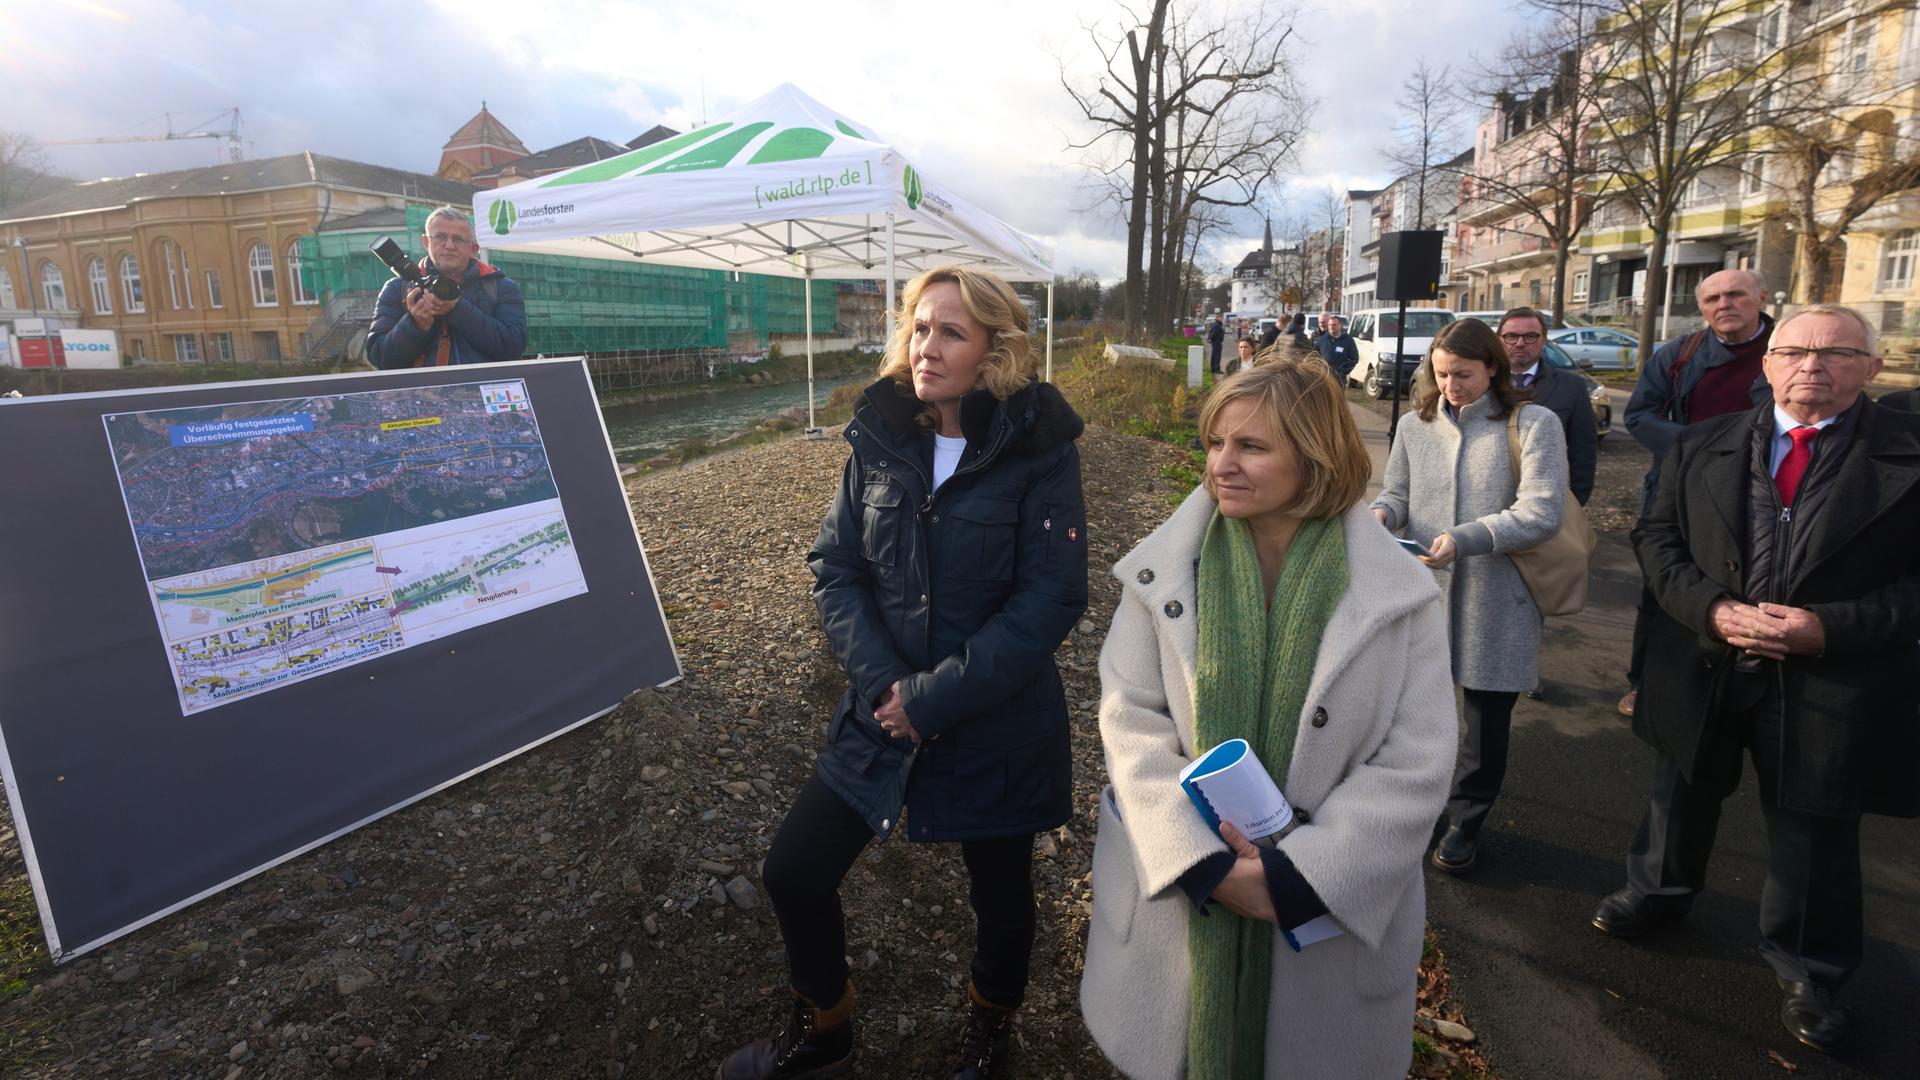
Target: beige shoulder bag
x,y
1555,570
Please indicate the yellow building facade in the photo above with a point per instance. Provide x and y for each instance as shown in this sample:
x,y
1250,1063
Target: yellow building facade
x,y
201,265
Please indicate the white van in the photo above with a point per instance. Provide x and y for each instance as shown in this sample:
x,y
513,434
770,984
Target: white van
x,y
1374,331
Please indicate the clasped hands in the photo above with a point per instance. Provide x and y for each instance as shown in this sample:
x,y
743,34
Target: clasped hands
x,y
892,715
1244,890
424,307
1773,631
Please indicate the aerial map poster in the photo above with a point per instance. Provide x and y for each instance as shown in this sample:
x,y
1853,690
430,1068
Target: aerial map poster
x,y
286,539
241,620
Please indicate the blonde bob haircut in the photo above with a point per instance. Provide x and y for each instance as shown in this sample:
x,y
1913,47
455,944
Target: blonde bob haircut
x,y
1301,402
1010,362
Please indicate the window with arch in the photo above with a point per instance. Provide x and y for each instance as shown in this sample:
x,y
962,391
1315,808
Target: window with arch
x,y
97,281
53,286
1897,259
260,273
297,289
130,285
168,256
6,289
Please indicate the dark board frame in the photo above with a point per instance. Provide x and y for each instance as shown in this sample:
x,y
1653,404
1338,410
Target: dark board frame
x,y
128,811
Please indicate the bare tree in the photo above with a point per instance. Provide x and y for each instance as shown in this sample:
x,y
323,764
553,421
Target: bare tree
x,y
1425,135
1678,87
1860,147
1199,109
24,172
1330,211
1541,166
1120,106
1231,115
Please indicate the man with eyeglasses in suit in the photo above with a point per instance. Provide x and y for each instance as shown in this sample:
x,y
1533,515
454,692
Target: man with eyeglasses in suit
x,y
1524,332
1779,547
485,323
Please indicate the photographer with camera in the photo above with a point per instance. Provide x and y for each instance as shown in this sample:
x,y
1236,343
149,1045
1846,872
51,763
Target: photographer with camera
x,y
450,309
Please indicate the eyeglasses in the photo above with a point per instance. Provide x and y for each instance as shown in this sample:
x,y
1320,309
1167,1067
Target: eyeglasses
x,y
448,238
1520,339
1791,355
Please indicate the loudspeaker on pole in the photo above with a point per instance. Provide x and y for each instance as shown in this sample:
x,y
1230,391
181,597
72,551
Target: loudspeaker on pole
x,y
1409,265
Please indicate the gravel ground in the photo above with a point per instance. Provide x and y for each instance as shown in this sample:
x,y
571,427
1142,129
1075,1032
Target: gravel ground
x,y
591,908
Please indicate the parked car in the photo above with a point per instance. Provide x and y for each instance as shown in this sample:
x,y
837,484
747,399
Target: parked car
x,y
1491,318
1596,391
1375,332
1601,348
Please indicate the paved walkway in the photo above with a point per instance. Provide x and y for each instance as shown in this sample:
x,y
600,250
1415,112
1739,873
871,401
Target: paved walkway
x,y
1554,999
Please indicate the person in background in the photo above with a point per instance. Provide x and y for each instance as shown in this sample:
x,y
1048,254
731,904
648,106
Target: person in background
x,y
951,565
487,322
1337,348
1780,547
1270,335
1524,332
1269,607
1450,484
1707,373
1216,336
1244,350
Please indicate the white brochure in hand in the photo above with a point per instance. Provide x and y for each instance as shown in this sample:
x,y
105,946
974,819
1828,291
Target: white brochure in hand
x,y
1229,783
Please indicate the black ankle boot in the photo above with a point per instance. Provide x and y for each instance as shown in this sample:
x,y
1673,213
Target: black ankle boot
x,y
815,1044
983,1049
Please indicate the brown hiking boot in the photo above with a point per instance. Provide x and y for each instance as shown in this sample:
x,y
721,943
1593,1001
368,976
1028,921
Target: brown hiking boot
x,y
816,1044
983,1049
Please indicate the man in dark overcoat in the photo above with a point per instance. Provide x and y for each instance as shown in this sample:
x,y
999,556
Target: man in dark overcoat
x,y
1780,547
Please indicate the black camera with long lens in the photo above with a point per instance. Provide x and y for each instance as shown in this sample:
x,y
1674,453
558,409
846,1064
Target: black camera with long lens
x,y
437,284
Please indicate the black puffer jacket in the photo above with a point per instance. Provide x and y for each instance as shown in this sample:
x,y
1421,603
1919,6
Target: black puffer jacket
x,y
961,595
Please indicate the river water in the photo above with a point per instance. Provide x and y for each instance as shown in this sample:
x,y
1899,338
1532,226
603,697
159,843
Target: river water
x,y
645,429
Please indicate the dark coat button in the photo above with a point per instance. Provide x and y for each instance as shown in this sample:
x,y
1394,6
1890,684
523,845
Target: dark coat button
x,y
1173,609
1319,717
1301,813
1732,567
1144,577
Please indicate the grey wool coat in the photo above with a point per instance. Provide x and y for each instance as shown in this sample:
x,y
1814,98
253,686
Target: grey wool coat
x,y
1452,475
1369,774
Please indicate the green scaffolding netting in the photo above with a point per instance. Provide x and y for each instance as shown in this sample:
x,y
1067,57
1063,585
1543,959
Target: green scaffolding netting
x,y
600,305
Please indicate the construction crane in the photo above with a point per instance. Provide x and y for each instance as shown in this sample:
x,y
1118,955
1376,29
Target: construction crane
x,y
197,131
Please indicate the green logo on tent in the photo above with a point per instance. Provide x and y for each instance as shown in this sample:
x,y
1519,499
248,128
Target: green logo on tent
x,y
913,189
503,216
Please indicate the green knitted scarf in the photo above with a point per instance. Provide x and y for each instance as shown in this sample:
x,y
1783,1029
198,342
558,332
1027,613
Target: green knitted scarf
x,y
1251,686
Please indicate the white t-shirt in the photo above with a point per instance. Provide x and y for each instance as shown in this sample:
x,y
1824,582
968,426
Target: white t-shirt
x,y
946,458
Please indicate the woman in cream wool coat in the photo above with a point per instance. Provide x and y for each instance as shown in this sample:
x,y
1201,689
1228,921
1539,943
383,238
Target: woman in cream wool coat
x,y
1370,743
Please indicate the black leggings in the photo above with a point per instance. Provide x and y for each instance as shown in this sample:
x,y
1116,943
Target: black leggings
x,y
817,845
1482,765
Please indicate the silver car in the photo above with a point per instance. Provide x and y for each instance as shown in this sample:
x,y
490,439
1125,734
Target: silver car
x,y
1601,348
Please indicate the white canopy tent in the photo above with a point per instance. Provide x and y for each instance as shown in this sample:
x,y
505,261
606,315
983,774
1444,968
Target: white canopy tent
x,y
782,186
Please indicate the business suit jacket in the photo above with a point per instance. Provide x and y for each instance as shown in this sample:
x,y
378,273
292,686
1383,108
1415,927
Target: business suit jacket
x,y
1847,743
1566,396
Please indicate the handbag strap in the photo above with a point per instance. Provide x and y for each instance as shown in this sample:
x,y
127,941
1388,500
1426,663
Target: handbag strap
x,y
1513,446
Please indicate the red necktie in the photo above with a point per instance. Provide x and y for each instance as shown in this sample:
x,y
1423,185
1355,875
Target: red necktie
x,y
1786,479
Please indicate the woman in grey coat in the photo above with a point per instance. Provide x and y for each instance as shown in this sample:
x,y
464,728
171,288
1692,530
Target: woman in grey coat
x,y
1450,486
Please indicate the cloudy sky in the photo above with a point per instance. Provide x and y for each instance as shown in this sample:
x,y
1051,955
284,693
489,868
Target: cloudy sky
x,y
971,94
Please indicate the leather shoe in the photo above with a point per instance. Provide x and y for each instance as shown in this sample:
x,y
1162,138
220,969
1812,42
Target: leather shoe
x,y
1628,702
1457,849
1813,1015
1627,914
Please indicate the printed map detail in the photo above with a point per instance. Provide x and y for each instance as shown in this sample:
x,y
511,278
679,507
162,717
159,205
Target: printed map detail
x,y
284,539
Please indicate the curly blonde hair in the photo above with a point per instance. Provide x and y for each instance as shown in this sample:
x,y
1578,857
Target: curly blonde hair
x,y
1010,362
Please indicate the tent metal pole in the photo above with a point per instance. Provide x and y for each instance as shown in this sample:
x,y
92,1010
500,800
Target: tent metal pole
x,y
812,428
1049,329
889,277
